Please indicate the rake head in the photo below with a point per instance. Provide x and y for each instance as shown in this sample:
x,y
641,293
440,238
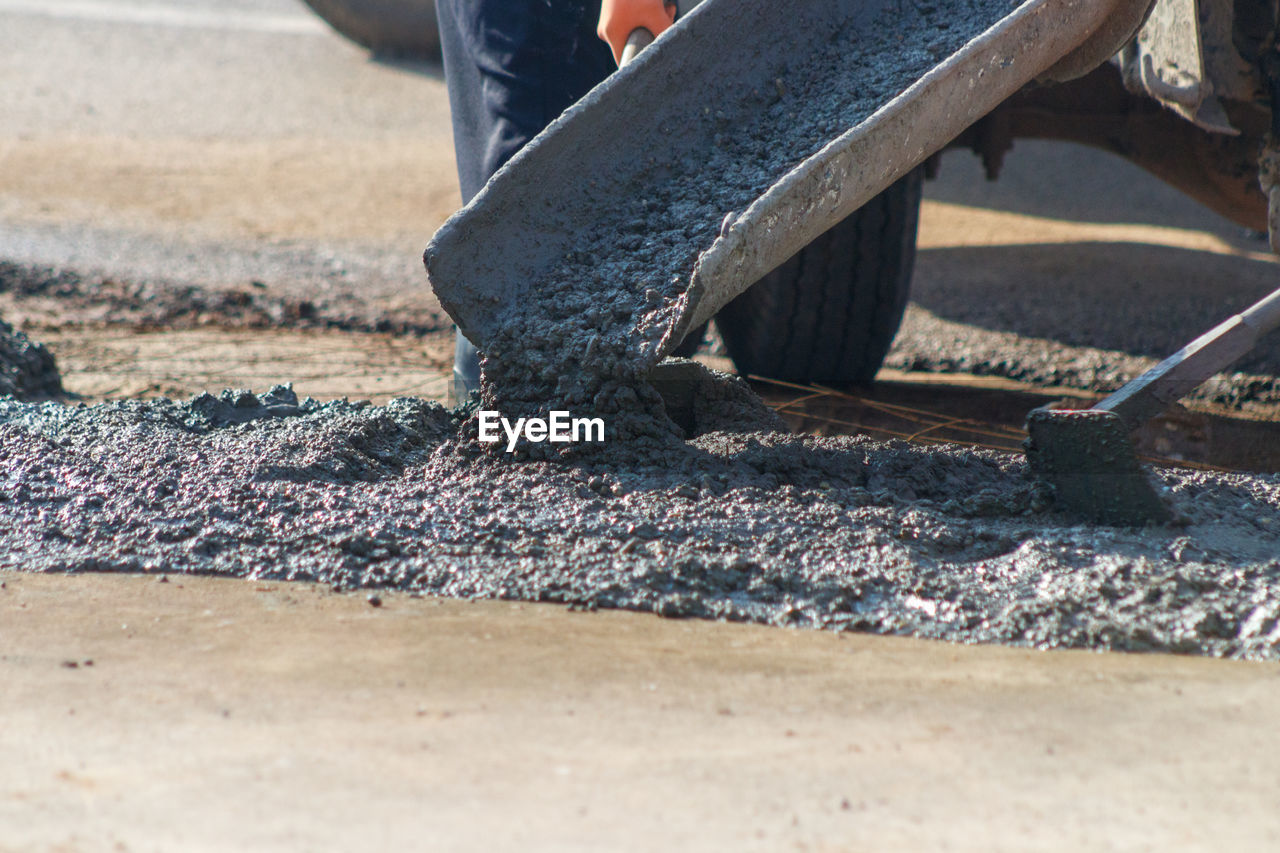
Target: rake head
x,y
1088,458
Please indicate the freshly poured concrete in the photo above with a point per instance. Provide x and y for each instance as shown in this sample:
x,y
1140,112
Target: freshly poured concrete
x,y
27,370
741,522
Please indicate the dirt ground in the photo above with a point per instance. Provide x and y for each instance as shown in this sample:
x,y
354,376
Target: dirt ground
x,y
113,364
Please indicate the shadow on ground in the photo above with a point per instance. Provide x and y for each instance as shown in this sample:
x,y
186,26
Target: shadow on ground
x,y
1138,299
1074,182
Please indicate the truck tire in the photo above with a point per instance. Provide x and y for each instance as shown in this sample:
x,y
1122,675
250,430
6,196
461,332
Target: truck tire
x,y
402,28
829,313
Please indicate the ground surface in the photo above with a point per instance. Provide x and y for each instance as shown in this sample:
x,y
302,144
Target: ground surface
x,y
321,722
269,227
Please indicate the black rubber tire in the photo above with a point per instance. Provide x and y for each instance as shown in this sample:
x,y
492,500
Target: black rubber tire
x,y
830,312
401,28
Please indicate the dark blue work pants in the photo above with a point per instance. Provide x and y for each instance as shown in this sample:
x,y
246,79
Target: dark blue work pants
x,y
512,66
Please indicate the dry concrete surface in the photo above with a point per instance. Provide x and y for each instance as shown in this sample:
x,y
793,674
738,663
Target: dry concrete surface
x,y
203,714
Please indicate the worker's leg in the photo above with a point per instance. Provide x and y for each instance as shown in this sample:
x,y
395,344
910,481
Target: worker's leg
x,y
511,66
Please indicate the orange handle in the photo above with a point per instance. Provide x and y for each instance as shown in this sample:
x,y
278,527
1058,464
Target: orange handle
x,y
619,18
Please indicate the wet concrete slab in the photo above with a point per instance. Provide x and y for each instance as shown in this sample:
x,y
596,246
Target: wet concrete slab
x,y
204,714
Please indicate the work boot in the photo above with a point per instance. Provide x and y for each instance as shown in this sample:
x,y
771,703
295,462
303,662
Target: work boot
x,y
466,371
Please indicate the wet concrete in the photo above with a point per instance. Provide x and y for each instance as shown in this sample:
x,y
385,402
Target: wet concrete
x,y
747,524
586,329
27,370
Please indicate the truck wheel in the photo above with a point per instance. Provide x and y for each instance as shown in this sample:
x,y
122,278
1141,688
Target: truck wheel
x,y
829,313
405,28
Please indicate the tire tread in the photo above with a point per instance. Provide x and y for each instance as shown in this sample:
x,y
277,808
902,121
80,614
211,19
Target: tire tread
x,y
830,312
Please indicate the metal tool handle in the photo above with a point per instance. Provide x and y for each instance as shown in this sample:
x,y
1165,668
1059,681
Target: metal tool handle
x,y
639,39
620,19
1188,368
1264,316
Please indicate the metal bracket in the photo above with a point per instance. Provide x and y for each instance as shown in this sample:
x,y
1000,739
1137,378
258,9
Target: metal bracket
x,y
1167,61
1269,180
